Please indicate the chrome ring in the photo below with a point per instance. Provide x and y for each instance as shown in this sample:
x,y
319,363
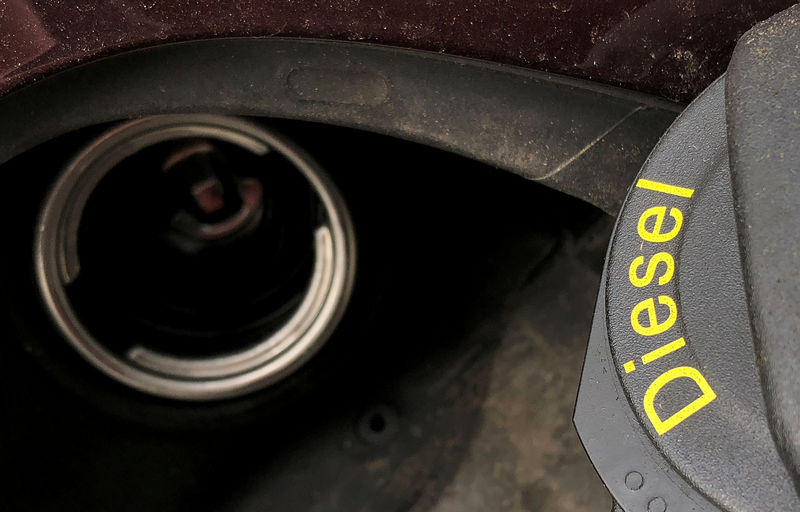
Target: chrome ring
x,y
196,379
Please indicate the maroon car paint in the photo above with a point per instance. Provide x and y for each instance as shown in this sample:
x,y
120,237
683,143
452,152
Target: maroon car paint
x,y
669,47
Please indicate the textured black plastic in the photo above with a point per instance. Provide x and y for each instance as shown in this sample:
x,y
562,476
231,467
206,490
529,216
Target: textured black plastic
x,y
581,138
721,456
763,102
615,441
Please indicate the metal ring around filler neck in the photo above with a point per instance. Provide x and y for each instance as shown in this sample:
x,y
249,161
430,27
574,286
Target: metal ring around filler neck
x,y
185,378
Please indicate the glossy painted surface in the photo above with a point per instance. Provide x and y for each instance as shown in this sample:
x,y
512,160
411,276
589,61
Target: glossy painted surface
x,y
669,47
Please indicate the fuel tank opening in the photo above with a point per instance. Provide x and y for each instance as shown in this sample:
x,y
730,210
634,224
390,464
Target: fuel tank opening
x,y
194,257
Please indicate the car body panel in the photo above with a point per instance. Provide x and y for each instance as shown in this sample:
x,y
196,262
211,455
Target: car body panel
x,y
673,48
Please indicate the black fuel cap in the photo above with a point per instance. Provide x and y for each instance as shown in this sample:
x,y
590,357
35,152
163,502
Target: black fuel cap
x,y
763,112
671,407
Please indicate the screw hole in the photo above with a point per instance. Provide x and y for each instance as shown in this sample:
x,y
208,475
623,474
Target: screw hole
x,y
377,423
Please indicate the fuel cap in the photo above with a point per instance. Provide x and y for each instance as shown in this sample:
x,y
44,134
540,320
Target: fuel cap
x,y
689,397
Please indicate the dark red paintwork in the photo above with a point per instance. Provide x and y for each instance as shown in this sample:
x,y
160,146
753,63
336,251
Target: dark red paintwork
x,y
669,47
